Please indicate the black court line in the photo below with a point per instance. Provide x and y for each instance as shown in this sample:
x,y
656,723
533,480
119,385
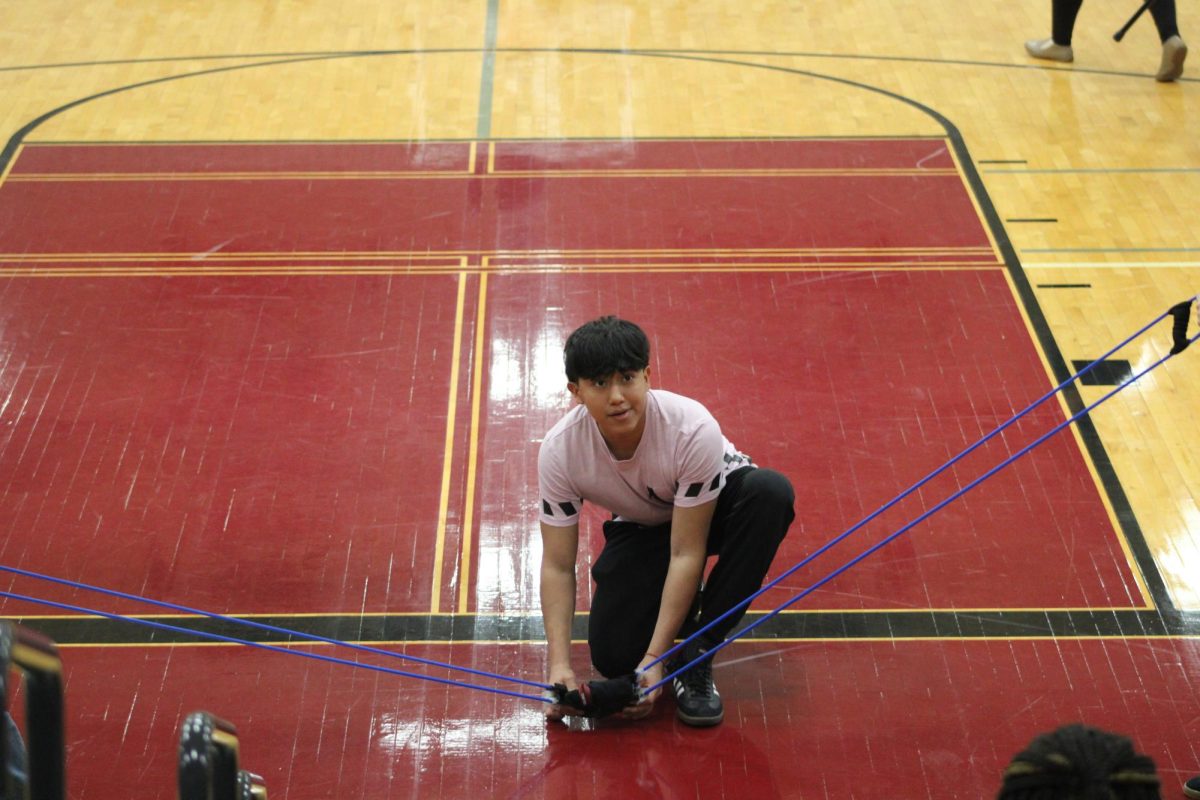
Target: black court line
x,y
1064,286
684,52
469,628
1088,434
1031,219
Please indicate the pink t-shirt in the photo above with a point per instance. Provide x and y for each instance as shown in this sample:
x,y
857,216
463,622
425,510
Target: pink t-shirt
x,y
681,460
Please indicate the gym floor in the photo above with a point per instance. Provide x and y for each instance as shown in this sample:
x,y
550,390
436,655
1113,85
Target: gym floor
x,y
283,291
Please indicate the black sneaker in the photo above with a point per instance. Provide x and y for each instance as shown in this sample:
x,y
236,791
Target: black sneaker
x,y
1192,787
697,701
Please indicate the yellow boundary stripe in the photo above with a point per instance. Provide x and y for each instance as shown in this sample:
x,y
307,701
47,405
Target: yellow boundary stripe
x,y
979,215
151,272
736,642
471,151
451,407
503,262
384,175
534,615
69,143
1085,455
441,254
16,157
478,364
127,177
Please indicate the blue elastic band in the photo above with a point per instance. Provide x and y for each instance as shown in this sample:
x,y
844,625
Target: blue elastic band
x,y
839,538
270,647
906,528
262,626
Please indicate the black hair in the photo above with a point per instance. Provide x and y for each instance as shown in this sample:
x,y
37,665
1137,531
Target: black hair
x,y
1077,762
603,346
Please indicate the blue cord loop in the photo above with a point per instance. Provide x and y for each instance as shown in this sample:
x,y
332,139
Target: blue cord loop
x,y
712,651
270,647
263,626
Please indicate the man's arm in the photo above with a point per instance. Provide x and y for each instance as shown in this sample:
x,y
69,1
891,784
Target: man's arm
x,y
689,547
560,548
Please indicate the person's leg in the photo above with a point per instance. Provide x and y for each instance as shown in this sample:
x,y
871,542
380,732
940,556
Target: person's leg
x,y
1174,50
629,575
1163,12
1062,23
1063,14
752,517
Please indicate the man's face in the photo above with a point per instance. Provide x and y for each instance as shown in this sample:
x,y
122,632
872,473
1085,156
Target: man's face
x,y
617,403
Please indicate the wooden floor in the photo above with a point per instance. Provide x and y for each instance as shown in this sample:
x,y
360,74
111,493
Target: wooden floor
x,y
281,284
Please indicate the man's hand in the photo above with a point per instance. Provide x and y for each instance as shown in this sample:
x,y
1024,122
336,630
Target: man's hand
x,y
642,708
566,677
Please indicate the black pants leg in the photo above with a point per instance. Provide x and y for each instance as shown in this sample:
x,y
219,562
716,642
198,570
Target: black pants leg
x,y
1163,12
629,576
1063,14
752,516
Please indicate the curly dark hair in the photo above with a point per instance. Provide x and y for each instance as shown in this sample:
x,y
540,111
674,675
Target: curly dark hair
x,y
1077,762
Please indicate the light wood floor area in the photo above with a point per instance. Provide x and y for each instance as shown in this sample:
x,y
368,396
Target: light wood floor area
x,y
1103,159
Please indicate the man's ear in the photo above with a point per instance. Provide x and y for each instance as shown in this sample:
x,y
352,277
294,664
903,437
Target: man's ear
x,y
647,373
573,388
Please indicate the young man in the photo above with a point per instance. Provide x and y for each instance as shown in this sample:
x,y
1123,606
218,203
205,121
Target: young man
x,y
679,492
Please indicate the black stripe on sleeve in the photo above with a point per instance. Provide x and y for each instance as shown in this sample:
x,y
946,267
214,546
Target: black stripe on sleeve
x,y
693,490
716,483
568,509
546,509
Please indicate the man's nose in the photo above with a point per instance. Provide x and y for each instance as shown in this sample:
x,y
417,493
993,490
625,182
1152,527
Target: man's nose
x,y
615,395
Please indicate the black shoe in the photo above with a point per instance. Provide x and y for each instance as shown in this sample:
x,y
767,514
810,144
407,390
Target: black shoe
x,y
697,701
1192,787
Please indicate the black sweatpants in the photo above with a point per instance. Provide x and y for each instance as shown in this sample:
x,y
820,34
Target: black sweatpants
x,y
752,516
1063,13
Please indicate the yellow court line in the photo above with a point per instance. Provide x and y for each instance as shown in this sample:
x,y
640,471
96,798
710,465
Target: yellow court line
x,y
365,175
581,614
979,215
796,172
451,408
498,270
382,254
491,161
126,177
214,273
1084,453
505,263
471,157
478,363
13,160
533,269
895,640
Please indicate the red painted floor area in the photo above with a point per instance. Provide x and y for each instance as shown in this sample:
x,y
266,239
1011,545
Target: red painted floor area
x,y
245,421
247,445
816,720
582,196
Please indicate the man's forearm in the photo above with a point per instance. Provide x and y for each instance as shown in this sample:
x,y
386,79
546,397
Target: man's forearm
x,y
679,590
558,613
